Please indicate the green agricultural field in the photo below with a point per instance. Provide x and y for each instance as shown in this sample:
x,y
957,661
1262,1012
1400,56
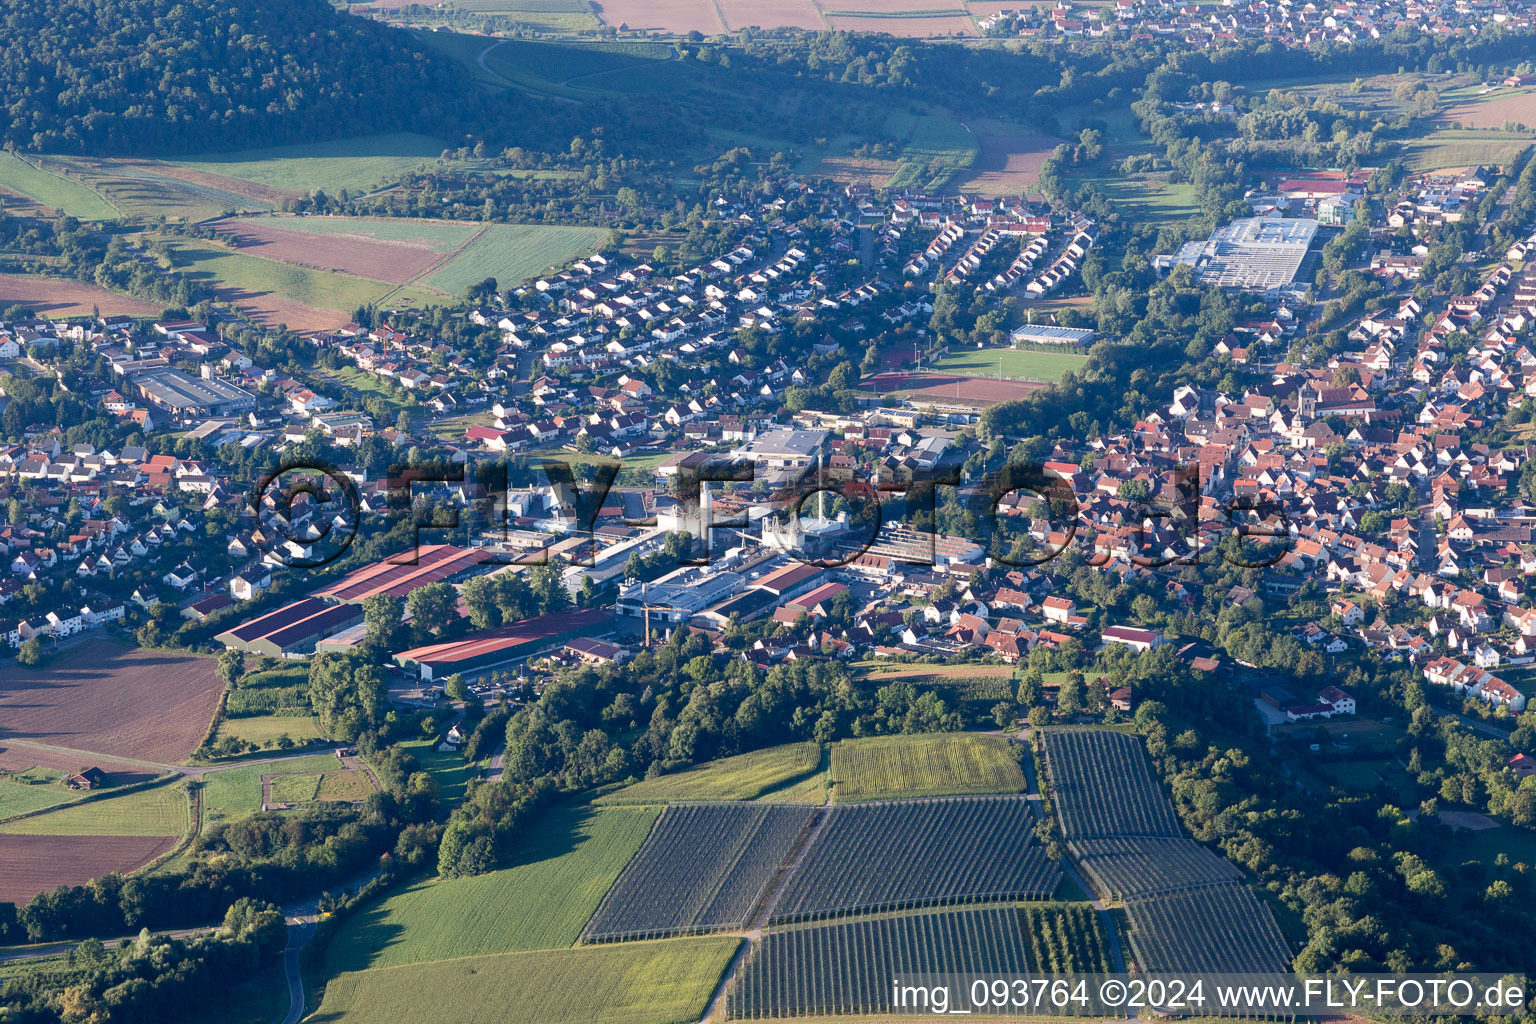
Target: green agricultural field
x,y
630,983
512,253
157,811
357,164
439,236
32,790
215,265
939,147
567,863
762,773
263,730
72,197
230,793
1463,149
1011,364
933,764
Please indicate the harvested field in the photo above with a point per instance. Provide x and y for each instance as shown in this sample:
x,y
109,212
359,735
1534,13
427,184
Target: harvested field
x,y
678,16
912,28
1009,164
740,14
856,169
395,262
1493,111
892,7
107,697
56,296
33,864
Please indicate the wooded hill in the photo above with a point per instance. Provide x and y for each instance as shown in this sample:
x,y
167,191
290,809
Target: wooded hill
x,y
142,76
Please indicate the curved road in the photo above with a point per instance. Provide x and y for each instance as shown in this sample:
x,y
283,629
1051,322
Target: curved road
x,y
301,928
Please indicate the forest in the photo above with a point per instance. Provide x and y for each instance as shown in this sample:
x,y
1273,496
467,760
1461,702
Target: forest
x,y
179,76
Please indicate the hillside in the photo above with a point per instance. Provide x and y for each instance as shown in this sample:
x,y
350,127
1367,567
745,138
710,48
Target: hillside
x,y
141,76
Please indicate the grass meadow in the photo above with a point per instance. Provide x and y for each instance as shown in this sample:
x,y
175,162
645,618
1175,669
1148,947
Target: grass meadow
x,y
49,189
358,163
231,793
157,811
263,730
32,790
317,288
762,773
936,764
629,983
568,862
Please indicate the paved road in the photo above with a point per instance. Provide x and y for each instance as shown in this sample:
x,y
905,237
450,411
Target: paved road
x,y
301,928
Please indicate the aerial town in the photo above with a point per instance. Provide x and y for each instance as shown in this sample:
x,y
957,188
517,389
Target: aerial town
x,y
551,511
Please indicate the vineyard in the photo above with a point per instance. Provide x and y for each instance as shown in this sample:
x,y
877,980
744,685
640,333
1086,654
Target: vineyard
x,y
1102,786
1218,929
847,968
703,868
886,856
1129,868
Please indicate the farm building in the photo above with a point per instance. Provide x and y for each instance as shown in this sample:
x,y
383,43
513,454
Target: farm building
x,y
476,655
292,629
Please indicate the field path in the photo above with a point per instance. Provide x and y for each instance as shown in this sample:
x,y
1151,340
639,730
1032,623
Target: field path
x,y
480,60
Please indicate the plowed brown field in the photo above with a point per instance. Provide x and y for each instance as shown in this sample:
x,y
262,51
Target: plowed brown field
x,y
52,296
395,262
108,697
33,864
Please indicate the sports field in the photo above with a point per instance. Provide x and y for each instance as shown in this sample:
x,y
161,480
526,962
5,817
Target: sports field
x,y
357,163
512,253
1009,363
24,178
762,773
631,983
935,764
565,865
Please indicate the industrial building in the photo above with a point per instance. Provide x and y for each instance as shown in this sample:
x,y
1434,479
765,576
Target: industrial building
x,y
292,629
187,397
678,596
1253,254
493,649
400,574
